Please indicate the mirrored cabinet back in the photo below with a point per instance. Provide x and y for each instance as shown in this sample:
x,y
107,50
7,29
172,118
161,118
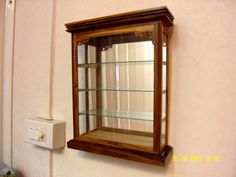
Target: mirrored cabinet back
x,y
120,85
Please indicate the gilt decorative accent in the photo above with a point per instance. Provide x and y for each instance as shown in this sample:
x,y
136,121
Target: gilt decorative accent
x,y
106,47
144,34
82,42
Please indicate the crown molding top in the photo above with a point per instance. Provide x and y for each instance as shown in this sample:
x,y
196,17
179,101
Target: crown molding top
x,y
135,17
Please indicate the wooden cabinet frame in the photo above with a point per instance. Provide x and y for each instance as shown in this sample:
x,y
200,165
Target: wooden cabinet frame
x,y
140,22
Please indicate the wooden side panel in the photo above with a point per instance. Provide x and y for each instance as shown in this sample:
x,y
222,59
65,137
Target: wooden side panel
x,y
98,86
157,84
75,86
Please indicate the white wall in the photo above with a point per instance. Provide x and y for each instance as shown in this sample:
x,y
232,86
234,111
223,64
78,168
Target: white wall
x,y
203,81
31,83
2,10
7,77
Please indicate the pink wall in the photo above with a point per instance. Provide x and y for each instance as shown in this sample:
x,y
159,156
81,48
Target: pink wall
x,y
203,82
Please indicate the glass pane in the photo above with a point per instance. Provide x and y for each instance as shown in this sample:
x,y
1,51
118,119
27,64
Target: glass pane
x,y
163,135
163,105
87,121
91,54
164,88
164,80
116,89
82,78
86,54
91,99
82,124
132,76
87,78
87,101
163,120
81,54
164,48
125,110
129,52
118,72
82,101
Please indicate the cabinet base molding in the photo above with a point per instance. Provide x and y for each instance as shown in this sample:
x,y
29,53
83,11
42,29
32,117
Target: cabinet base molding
x,y
152,158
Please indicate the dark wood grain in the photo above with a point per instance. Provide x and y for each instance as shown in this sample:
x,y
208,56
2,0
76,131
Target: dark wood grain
x,y
157,85
75,86
98,85
129,154
147,15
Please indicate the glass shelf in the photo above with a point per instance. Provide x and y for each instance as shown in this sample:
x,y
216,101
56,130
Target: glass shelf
x,y
117,90
146,116
88,65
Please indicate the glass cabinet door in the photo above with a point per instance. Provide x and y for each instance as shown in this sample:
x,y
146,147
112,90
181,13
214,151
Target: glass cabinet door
x,y
116,88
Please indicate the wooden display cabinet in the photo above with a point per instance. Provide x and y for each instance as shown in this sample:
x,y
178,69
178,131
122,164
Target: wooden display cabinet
x,y
120,90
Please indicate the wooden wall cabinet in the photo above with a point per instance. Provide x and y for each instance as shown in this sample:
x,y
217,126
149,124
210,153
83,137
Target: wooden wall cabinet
x,y
120,85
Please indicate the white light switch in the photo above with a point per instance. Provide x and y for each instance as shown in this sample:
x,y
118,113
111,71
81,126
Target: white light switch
x,y
41,134
36,133
45,133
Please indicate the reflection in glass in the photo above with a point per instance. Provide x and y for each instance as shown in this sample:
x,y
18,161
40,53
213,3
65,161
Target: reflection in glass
x,y
81,54
164,48
164,87
164,77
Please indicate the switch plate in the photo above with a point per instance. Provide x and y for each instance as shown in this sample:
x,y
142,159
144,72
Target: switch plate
x,y
36,133
45,133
